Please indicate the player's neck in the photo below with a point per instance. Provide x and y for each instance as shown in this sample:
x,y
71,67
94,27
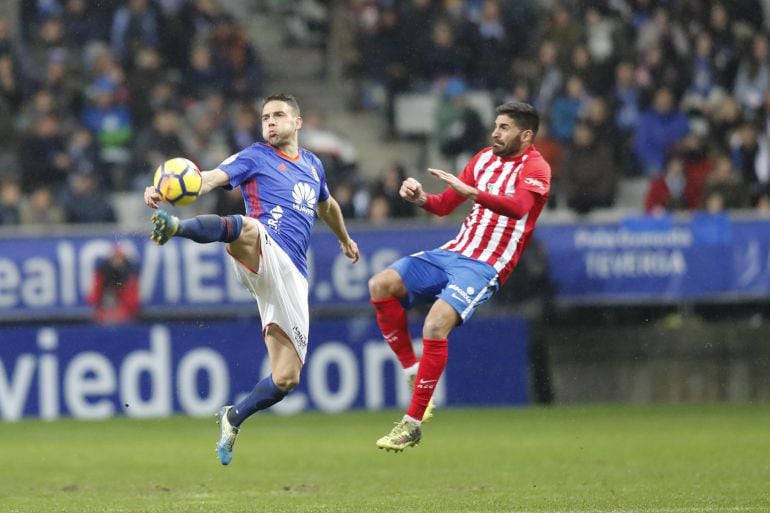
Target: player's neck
x,y
290,149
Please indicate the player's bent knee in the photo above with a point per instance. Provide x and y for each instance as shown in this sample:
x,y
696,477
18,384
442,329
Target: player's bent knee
x,y
386,284
249,233
437,327
286,381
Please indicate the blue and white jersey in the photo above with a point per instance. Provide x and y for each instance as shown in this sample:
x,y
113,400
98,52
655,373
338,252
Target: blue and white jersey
x,y
282,192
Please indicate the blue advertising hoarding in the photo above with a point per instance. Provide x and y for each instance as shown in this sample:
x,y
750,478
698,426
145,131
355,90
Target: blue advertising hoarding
x,y
641,259
155,370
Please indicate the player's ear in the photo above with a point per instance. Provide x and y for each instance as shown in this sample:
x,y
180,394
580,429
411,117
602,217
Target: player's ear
x,y
298,122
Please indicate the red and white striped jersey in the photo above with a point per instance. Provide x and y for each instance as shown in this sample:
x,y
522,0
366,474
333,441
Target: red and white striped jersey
x,y
489,236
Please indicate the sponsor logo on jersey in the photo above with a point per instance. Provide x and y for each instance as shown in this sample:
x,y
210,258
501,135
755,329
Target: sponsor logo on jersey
x,y
304,198
535,183
275,222
315,173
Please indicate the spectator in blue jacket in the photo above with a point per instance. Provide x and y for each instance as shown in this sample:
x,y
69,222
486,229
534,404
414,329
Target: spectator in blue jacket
x,y
658,130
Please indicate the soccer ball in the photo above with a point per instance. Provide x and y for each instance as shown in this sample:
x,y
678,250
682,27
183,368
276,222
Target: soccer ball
x,y
178,181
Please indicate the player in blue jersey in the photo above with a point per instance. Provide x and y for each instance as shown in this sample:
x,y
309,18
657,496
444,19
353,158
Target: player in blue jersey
x,y
284,187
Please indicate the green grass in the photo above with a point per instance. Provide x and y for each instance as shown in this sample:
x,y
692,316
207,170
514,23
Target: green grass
x,y
664,459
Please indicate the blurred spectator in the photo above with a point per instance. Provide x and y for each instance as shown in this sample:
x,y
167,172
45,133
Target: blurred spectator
x,y
567,108
725,183
10,201
666,191
658,130
564,31
343,193
146,69
63,85
725,48
83,153
751,160
154,145
704,92
550,75
415,19
81,22
338,154
443,58
698,165
589,175
491,45
724,121
10,85
379,211
133,26
85,202
115,288
41,209
112,127
245,127
753,78
388,187
459,129
43,155
243,64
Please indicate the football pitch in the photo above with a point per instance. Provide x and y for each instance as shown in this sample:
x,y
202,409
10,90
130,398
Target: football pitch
x,y
662,459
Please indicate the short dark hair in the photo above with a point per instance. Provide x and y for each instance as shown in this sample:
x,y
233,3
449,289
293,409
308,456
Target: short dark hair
x,y
523,114
283,97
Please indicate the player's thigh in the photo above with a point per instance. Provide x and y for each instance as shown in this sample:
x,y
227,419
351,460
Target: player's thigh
x,y
246,248
285,363
387,283
422,279
440,321
470,285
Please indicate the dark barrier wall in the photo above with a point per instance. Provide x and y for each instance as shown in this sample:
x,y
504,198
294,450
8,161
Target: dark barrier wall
x,y
154,370
643,364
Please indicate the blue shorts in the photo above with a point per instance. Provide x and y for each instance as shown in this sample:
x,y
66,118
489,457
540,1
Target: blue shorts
x,y
462,282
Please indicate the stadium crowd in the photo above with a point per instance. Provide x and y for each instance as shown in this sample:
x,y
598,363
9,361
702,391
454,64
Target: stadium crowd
x,y
675,92
94,95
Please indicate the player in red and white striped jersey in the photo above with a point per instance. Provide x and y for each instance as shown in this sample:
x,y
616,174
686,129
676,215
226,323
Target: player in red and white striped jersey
x,y
509,184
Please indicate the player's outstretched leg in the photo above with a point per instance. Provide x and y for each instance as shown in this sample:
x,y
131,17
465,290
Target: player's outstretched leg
x,y
203,229
404,434
227,435
164,226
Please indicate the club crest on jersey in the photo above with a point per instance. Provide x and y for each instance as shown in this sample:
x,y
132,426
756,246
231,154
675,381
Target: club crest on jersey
x,y
315,173
304,198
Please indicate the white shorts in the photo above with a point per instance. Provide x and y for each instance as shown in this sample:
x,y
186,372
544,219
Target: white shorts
x,y
280,289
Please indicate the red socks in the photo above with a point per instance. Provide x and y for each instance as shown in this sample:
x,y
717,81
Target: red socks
x,y
391,318
432,364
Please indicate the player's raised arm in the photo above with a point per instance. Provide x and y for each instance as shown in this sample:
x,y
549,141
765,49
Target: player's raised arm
x,y
210,180
213,179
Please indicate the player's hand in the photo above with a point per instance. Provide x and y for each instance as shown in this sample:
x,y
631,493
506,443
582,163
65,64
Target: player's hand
x,y
411,191
350,250
455,183
151,196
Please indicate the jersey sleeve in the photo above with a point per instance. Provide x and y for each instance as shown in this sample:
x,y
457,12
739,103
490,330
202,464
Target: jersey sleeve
x,y
239,168
323,192
536,177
